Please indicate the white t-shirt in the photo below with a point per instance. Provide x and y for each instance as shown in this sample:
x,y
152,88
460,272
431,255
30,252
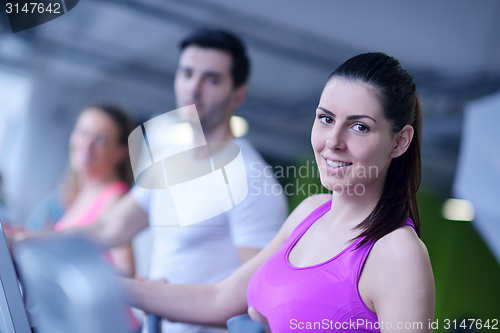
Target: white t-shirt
x,y
206,252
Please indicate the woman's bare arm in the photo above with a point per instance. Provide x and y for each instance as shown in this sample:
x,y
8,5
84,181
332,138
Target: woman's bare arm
x,y
123,259
207,304
211,304
122,256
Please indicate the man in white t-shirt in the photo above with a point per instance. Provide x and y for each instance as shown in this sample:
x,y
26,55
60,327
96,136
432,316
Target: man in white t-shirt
x,y
209,251
212,74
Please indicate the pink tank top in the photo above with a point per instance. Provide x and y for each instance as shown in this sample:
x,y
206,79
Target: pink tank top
x,y
92,212
90,215
319,298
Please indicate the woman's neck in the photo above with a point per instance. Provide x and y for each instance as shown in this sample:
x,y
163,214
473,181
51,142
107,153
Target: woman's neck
x,y
92,182
349,208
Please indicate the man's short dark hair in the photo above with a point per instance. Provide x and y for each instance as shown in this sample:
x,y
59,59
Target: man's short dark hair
x,y
224,41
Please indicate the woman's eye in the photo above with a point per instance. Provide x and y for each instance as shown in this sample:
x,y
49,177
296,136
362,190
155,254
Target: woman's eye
x,y
81,133
361,128
185,73
100,140
325,119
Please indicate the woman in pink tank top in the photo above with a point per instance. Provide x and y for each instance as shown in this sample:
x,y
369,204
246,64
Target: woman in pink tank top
x,y
343,262
98,175
98,172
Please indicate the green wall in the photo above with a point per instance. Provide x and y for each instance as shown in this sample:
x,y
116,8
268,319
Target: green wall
x,y
466,273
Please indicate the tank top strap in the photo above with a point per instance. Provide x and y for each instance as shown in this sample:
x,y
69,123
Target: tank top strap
x,y
309,220
112,189
409,222
103,197
366,248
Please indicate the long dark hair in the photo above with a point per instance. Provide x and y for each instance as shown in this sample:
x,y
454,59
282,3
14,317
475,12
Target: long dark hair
x,y
399,98
71,184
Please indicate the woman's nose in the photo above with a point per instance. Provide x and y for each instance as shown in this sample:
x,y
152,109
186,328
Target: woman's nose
x,y
336,140
87,143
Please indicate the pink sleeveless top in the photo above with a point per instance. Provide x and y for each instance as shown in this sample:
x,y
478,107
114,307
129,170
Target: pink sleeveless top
x,y
92,212
90,215
319,298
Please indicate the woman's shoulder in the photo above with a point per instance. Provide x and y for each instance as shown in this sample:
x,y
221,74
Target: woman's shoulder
x,y
46,213
112,193
303,210
401,241
398,275
400,249
118,187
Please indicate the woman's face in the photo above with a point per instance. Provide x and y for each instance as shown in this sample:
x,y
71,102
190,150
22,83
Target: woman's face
x,y
352,140
94,143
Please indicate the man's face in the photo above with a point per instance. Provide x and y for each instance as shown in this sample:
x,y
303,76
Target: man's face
x,y
204,78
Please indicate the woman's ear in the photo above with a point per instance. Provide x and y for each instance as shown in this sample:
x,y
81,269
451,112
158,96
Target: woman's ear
x,y
402,142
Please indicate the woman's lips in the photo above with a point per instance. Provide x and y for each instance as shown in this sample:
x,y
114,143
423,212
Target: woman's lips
x,y
336,163
336,167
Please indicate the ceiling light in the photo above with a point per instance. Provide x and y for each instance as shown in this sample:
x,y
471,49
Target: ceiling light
x,y
239,126
458,210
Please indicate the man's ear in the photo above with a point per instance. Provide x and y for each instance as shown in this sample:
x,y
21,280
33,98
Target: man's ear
x,y
402,142
239,96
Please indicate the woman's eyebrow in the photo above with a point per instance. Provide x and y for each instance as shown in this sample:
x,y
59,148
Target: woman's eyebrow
x,y
325,110
352,117
360,116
